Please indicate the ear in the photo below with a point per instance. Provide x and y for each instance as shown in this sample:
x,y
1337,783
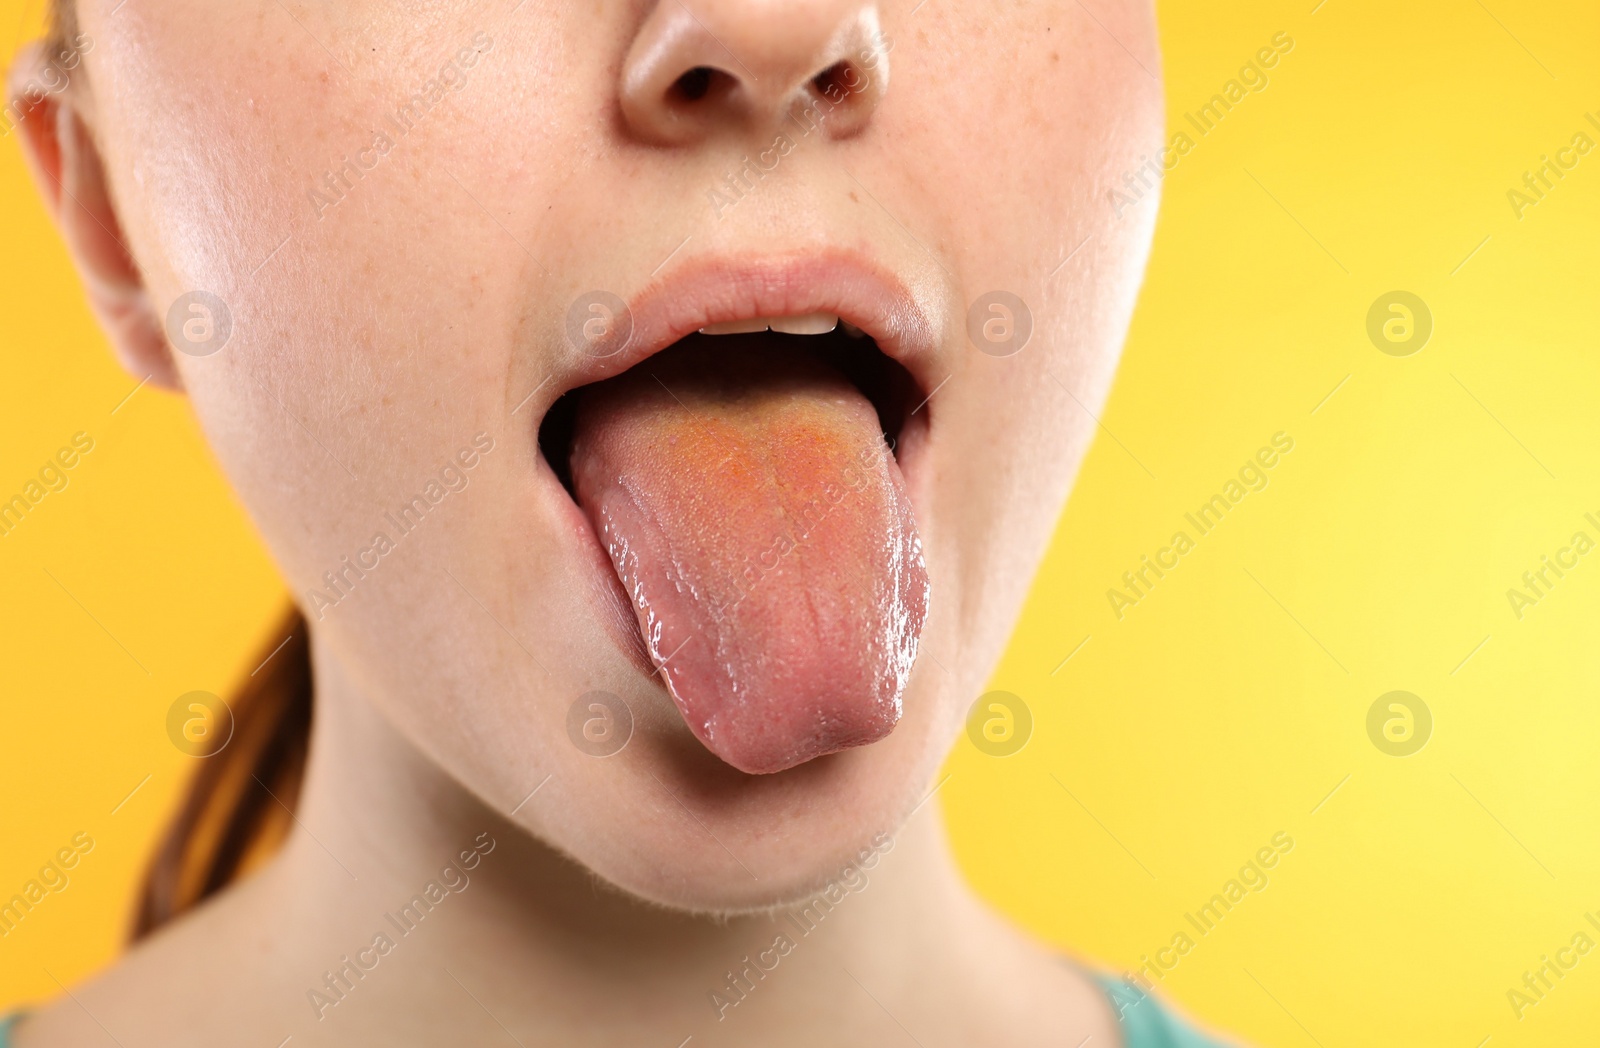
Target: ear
x,y
66,165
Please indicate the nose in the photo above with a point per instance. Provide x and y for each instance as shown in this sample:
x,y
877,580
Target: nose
x,y
701,67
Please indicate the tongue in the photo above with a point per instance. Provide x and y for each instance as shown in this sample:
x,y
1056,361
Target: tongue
x,y
761,528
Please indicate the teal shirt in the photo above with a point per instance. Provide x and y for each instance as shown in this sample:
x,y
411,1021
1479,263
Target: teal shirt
x,y
1145,1024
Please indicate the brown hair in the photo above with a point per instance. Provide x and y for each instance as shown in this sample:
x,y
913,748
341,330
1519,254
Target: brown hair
x,y
241,800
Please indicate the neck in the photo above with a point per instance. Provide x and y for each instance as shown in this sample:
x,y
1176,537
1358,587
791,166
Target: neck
x,y
378,824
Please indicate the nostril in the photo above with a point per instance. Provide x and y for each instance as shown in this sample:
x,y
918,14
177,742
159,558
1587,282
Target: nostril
x,y
693,85
845,94
697,83
836,81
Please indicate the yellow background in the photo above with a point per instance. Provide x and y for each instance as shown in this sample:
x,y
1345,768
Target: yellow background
x,y
1225,706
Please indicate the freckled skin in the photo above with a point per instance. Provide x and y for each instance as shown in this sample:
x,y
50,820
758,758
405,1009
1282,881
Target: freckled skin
x,y
761,527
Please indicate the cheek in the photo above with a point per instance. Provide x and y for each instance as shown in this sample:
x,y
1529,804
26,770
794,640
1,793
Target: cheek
x,y
371,339
309,181
1019,173
1022,147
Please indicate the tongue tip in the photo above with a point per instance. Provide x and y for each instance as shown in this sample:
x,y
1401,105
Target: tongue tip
x,y
810,714
768,757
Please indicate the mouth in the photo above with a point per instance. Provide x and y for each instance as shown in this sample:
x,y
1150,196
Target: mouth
x,y
734,457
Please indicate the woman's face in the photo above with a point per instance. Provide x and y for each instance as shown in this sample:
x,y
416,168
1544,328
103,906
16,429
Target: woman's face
x,y
426,222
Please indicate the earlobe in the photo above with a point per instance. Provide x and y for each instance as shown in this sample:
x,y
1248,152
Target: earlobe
x,y
67,166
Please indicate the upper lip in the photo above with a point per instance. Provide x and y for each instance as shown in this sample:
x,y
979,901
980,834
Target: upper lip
x,y
716,289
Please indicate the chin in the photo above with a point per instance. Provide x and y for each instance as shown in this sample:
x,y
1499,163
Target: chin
x,y
687,832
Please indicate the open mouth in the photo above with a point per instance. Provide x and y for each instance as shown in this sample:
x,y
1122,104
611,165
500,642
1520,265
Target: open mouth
x,y
744,484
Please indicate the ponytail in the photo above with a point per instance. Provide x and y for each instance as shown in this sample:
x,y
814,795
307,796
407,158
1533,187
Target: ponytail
x,y
239,805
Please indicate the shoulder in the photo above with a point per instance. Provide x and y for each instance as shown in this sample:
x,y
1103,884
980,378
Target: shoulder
x,y
221,967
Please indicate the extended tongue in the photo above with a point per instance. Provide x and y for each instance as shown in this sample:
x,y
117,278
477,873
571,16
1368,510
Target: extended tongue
x,y
761,527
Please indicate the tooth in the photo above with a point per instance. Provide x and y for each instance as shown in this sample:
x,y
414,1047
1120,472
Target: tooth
x,y
851,330
810,324
735,327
